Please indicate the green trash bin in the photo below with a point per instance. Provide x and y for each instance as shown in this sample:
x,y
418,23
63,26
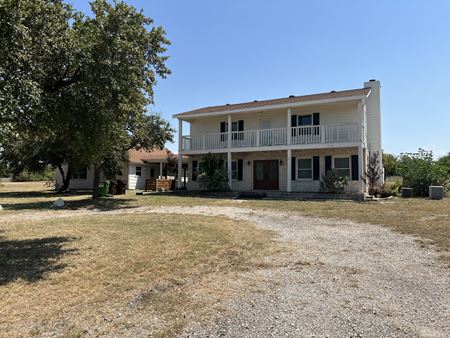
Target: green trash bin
x,y
104,189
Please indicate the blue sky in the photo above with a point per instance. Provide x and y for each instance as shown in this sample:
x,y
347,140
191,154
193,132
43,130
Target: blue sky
x,y
234,51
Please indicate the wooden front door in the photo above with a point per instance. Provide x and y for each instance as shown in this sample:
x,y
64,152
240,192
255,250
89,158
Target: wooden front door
x,y
265,174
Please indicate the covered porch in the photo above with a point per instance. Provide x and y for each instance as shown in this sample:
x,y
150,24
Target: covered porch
x,y
292,170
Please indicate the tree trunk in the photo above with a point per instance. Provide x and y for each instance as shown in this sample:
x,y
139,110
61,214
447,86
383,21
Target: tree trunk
x,y
95,188
66,177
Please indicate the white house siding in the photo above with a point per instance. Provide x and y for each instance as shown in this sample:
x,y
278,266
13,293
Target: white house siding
x,y
297,185
78,184
373,114
337,113
134,181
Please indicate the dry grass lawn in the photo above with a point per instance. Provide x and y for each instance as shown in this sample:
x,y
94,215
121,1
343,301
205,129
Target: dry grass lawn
x,y
125,275
134,273
427,219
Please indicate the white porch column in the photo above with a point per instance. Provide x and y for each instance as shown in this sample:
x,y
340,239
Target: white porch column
x,y
289,172
362,143
289,133
229,169
180,147
160,170
229,131
229,153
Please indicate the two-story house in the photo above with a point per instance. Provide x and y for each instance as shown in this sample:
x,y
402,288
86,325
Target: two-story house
x,y
287,144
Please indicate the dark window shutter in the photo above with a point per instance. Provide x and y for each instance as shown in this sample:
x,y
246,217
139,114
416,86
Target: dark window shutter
x,y
316,168
223,127
355,168
241,125
316,119
240,169
194,170
327,163
293,120
293,166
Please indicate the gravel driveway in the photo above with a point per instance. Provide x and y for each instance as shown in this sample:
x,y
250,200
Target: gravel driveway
x,y
338,278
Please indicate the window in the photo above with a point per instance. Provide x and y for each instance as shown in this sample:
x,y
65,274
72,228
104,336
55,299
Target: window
x,y
305,120
304,170
138,171
194,170
79,173
342,166
266,124
234,170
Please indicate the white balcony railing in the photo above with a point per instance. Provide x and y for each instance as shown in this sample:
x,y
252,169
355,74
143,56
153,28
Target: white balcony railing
x,y
274,137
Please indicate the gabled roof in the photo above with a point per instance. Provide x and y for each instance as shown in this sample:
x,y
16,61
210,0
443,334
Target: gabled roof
x,y
143,156
286,100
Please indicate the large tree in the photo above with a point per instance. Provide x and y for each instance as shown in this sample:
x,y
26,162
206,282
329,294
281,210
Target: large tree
x,y
80,90
37,62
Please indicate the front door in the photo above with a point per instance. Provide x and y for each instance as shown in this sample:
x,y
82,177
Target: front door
x,y
265,174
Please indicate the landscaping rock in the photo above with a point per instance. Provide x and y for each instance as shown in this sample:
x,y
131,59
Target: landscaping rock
x,y
59,203
436,192
1,208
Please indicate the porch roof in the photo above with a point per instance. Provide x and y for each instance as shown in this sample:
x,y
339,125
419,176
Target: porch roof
x,y
312,98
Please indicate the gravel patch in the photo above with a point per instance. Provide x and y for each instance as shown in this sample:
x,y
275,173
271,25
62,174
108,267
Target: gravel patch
x,y
338,278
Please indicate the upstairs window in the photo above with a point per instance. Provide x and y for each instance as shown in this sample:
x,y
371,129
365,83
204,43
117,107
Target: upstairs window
x,y
304,120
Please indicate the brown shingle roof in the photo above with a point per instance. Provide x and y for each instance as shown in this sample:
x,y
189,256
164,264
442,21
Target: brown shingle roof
x,y
141,156
285,100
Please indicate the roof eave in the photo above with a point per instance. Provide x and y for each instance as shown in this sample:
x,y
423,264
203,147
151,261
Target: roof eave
x,y
275,106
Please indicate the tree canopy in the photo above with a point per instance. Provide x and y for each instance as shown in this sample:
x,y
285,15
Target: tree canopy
x,y
75,89
445,161
419,171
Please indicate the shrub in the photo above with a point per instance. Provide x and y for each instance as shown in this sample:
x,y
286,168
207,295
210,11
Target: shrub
x,y
4,170
333,183
390,164
445,161
372,174
213,174
419,171
46,174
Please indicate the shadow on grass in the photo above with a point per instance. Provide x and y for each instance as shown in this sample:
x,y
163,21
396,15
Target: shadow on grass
x,y
105,204
42,193
31,259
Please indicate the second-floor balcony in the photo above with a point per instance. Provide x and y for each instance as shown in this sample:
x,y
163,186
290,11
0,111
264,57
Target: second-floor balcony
x,y
332,133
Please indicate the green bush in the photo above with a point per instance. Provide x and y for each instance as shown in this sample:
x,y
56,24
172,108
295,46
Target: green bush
x,y
390,164
419,171
390,189
333,183
47,174
212,173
